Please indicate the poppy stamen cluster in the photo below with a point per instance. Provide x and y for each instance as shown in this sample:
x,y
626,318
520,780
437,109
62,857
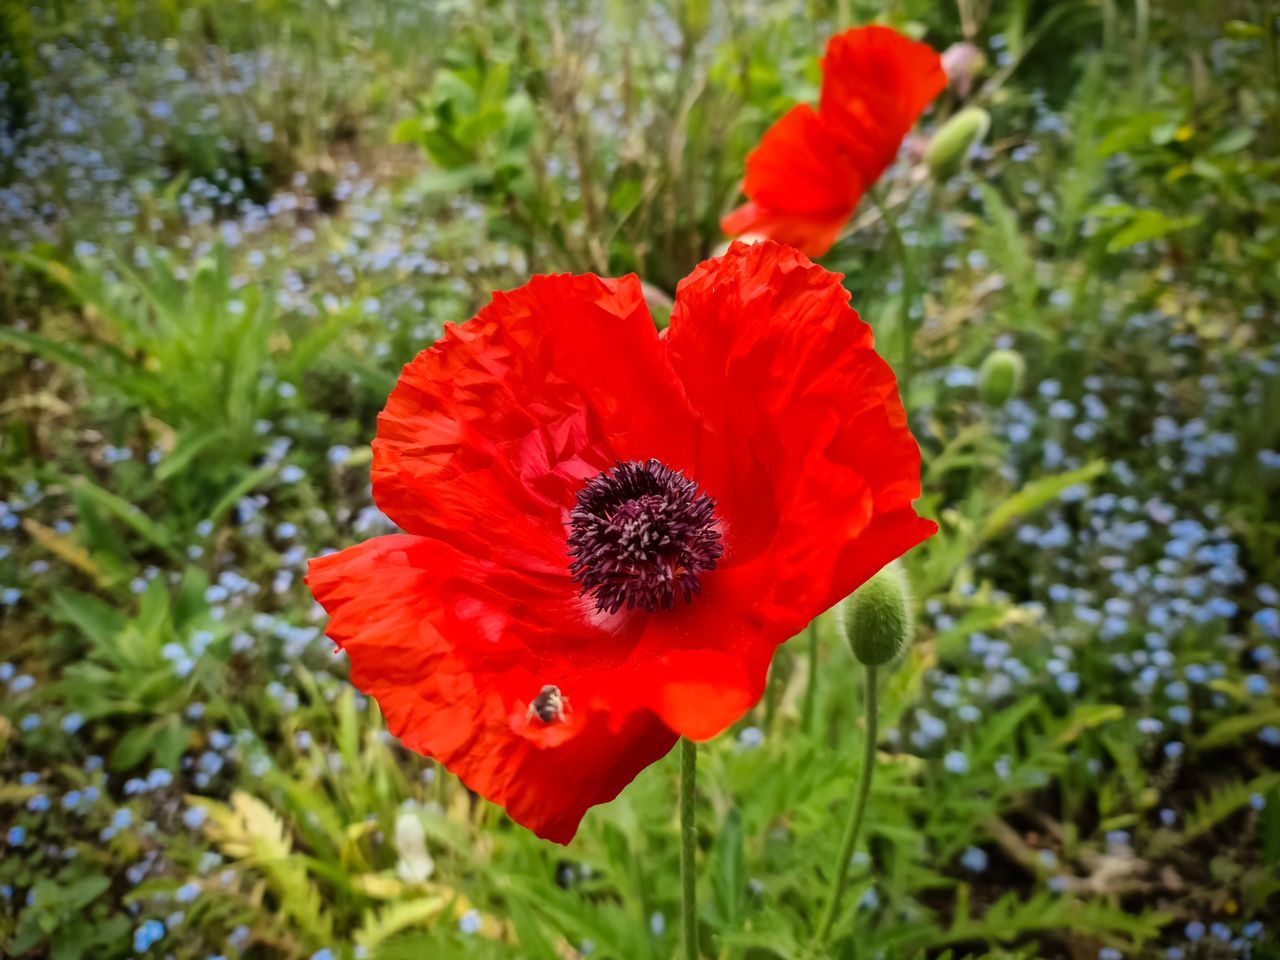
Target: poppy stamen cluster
x,y
641,534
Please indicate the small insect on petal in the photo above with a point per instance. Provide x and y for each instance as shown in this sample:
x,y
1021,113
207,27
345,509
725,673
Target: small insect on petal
x,y
549,705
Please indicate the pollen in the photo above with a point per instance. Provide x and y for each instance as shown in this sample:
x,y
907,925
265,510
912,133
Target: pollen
x,y
642,534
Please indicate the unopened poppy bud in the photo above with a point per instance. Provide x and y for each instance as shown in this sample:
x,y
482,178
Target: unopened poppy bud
x,y
1000,377
877,618
953,141
963,61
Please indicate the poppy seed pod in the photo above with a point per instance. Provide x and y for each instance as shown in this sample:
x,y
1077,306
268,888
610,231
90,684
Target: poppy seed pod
x,y
953,141
877,618
1000,377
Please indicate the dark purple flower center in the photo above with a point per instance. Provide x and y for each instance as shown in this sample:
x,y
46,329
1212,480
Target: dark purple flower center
x,y
641,534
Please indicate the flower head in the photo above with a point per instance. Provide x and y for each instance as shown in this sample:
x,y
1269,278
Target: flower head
x,y
811,168
607,531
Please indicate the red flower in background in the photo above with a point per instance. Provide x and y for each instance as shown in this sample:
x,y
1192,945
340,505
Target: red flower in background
x,y
805,179
607,531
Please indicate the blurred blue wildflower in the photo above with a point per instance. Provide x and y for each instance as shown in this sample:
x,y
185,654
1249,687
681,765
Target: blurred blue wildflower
x,y
148,935
974,859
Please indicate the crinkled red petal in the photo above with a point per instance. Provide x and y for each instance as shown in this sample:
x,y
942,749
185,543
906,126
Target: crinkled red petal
x,y
489,434
797,167
805,445
812,234
802,189
875,85
453,650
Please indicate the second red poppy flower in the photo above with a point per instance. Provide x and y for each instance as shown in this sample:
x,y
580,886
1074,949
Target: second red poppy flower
x,y
812,167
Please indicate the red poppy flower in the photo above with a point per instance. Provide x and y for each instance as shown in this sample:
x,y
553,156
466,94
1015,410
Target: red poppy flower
x,y
607,531
805,179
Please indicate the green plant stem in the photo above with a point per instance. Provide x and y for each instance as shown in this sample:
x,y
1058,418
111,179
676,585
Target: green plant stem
x,y
1142,21
688,846
906,330
809,707
1269,18
854,826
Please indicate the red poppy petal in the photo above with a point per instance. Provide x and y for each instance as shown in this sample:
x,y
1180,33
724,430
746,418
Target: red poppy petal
x,y
812,234
875,85
440,640
797,167
805,447
489,434
706,664
801,187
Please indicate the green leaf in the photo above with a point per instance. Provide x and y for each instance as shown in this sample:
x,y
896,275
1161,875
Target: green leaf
x,y
407,130
51,350
153,610
133,748
71,943
102,540
28,935
187,450
1232,141
1087,717
728,879
188,602
1224,801
1148,225
98,621
381,925
76,896
450,181
1243,30
247,483
1234,729
127,513
1035,495
376,383
170,743
534,944
626,197
1136,130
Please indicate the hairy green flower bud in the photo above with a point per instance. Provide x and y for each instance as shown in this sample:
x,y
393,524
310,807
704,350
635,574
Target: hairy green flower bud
x,y
1000,377
877,618
951,144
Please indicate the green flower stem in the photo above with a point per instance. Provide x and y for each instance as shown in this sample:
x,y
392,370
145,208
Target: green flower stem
x,y
854,826
906,331
809,707
688,846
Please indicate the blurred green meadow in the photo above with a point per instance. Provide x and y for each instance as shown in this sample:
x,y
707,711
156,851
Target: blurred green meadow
x,y
227,225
